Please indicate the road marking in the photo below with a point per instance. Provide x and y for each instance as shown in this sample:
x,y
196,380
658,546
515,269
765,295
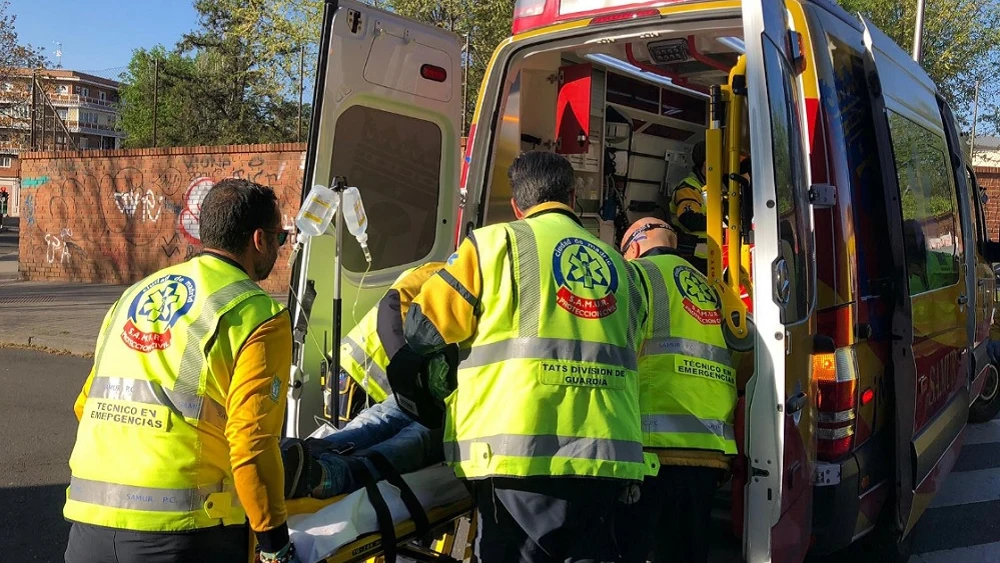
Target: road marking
x,y
982,553
985,433
969,487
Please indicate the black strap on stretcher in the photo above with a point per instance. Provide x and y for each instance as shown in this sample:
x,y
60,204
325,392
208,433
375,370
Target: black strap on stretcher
x,y
382,512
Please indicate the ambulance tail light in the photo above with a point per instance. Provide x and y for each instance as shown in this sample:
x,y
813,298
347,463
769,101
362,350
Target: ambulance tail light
x,y
836,376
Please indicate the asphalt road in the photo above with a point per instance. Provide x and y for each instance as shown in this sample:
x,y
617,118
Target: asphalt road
x,y
37,431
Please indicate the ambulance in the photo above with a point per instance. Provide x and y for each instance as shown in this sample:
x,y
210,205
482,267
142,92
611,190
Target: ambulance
x,y
848,260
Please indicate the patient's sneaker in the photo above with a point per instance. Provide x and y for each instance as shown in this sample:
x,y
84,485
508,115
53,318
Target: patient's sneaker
x,y
302,472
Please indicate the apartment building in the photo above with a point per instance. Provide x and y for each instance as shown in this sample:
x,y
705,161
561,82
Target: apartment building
x,y
65,110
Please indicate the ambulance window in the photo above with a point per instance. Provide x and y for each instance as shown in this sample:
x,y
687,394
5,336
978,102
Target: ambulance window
x,y
790,185
395,162
931,235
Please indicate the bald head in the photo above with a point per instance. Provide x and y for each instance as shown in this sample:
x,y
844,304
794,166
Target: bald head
x,y
646,234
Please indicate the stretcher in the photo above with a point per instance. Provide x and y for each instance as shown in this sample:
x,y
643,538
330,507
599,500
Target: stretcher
x,y
348,528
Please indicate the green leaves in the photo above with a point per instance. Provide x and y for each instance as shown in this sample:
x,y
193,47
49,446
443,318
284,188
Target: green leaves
x,y
961,44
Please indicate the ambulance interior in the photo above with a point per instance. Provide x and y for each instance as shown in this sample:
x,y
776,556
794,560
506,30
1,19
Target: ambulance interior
x,y
626,111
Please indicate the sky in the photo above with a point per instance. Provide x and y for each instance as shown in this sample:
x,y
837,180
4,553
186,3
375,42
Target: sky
x,y
98,35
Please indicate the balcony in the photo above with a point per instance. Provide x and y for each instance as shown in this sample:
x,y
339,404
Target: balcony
x,y
93,128
76,100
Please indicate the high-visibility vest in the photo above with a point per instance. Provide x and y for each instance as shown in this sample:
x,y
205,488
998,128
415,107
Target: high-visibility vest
x,y
362,355
548,384
687,384
151,453
681,202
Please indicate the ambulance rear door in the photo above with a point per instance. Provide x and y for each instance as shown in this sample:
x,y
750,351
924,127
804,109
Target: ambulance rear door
x,y
777,524
387,117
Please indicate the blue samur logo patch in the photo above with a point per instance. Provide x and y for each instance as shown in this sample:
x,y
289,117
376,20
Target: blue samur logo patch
x,y
700,299
155,310
587,278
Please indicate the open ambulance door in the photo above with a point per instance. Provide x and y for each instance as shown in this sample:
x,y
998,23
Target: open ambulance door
x,y
387,117
780,439
931,340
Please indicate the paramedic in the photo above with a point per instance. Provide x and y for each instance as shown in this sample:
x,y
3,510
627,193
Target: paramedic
x,y
687,211
687,401
376,338
317,468
543,422
180,417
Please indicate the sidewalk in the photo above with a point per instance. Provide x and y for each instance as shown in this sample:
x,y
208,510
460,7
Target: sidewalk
x,y
59,316
64,317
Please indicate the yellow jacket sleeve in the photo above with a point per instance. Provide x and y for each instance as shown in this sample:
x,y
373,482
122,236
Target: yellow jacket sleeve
x,y
444,312
82,398
687,198
256,408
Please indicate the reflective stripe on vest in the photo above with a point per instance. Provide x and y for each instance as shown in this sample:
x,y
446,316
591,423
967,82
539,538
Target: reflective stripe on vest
x,y
548,446
129,497
687,347
526,348
688,394
687,424
522,384
149,393
371,367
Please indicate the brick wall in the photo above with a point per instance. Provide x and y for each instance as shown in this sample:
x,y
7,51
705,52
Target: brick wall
x,y
117,216
989,178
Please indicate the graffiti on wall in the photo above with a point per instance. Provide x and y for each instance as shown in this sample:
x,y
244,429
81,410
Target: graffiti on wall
x,y
114,219
57,246
189,221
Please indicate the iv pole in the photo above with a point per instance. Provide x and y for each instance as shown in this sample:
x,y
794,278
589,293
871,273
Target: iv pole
x,y
331,384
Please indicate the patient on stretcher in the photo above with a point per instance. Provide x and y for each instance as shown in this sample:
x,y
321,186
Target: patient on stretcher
x,y
328,464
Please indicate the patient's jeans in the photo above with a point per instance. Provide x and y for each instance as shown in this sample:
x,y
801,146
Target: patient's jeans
x,y
382,428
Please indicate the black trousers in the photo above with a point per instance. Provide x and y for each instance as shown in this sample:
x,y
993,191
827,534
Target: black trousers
x,y
96,544
545,520
672,518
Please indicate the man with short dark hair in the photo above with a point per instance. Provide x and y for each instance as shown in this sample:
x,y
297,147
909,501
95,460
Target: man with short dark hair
x,y
182,412
543,418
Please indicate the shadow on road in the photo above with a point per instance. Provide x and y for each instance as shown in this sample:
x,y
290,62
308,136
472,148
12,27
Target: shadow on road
x,y
33,527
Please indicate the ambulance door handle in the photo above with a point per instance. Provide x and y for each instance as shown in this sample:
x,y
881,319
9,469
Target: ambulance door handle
x,y
963,299
796,403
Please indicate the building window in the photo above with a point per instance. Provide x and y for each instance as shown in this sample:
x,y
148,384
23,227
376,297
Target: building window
x,y
8,87
6,162
63,113
62,89
85,92
103,96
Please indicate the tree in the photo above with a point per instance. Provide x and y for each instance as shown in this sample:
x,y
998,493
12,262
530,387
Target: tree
x,y
961,44
16,60
232,80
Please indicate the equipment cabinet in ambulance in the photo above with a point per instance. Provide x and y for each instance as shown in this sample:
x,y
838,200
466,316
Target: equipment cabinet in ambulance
x,y
847,259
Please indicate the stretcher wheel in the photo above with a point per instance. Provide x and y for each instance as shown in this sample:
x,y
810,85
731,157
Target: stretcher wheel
x,y
745,344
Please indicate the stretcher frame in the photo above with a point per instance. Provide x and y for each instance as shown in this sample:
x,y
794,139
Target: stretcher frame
x,y
446,523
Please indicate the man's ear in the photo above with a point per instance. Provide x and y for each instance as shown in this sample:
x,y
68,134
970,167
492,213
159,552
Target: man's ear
x,y
257,239
517,210
631,251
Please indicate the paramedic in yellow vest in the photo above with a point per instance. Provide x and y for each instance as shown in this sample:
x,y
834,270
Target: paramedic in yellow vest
x,y
687,398
181,415
543,422
367,348
687,211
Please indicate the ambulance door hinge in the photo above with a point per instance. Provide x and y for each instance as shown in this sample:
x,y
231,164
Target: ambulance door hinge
x,y
823,196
